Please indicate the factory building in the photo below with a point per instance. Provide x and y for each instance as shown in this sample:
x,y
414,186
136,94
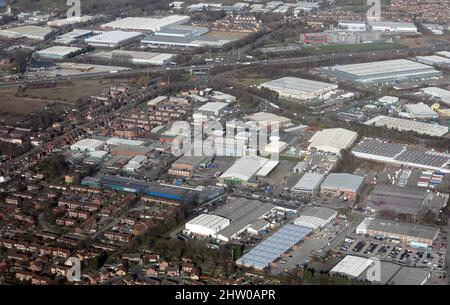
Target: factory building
x,y
186,165
316,217
401,154
213,108
185,42
136,57
245,170
242,213
69,21
206,225
113,39
88,145
153,24
352,25
433,130
337,184
75,36
135,163
382,72
58,52
433,60
398,231
298,88
438,93
267,120
269,250
420,111
393,27
29,32
308,184
332,140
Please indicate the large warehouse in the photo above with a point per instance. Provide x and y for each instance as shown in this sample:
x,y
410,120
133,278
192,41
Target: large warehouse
x,y
30,32
433,130
113,39
393,27
404,200
401,154
438,93
316,217
58,52
273,247
152,24
206,225
244,169
136,57
342,183
420,111
383,72
298,88
433,60
400,231
242,213
332,140
308,183
88,145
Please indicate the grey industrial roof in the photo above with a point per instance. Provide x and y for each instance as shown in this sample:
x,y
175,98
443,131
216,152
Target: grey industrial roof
x,y
410,276
242,212
271,248
309,182
380,148
403,228
295,83
319,212
193,161
343,181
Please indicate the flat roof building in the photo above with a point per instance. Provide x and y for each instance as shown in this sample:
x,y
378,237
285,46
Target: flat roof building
x,y
342,183
401,154
113,39
242,213
433,130
206,225
352,266
401,231
273,247
58,52
332,140
382,72
30,32
74,36
152,24
88,145
267,120
298,88
243,170
393,27
309,183
316,217
213,108
439,93
410,276
136,57
420,111
433,60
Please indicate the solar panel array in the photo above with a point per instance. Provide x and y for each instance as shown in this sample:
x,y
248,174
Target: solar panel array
x,y
271,248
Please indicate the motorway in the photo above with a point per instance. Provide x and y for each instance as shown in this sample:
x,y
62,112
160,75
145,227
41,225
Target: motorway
x,y
362,56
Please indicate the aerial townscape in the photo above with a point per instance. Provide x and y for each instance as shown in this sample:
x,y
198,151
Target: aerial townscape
x,y
150,142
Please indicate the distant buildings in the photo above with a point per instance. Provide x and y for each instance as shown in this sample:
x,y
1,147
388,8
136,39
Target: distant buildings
x,y
135,57
30,32
393,27
297,88
332,140
438,93
58,52
433,130
146,24
382,72
113,39
420,111
403,232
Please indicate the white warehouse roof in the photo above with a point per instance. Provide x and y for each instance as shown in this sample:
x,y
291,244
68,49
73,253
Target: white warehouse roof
x,y
113,37
315,217
206,224
298,88
442,94
88,144
58,51
352,266
215,107
433,130
245,168
333,140
309,182
146,24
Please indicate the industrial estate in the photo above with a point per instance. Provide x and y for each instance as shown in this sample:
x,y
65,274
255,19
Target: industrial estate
x,y
251,142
